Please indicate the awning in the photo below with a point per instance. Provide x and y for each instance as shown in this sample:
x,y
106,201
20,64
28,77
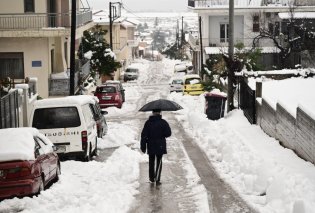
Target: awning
x,y
297,15
221,50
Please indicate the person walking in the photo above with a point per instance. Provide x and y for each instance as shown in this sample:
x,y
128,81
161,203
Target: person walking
x,y
153,140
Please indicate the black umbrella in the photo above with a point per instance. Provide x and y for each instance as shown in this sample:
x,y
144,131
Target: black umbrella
x,y
161,104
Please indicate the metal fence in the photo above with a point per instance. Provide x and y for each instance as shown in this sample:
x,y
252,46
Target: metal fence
x,y
248,101
42,20
9,110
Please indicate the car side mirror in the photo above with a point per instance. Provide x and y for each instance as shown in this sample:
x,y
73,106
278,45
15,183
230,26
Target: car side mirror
x,y
182,83
92,92
104,112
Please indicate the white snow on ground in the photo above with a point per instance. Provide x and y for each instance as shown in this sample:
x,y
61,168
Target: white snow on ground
x,y
87,187
269,177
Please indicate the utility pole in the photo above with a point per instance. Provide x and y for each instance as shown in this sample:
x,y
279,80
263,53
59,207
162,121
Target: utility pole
x,y
201,52
72,45
230,98
113,15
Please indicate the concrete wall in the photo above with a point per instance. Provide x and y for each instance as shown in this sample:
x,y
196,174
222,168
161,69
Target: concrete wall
x,y
17,6
285,127
297,134
214,29
268,118
34,49
305,135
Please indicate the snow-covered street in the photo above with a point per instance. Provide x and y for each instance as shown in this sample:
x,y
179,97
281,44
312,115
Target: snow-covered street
x,y
268,177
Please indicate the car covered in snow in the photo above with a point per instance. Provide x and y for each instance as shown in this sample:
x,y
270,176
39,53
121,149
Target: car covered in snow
x,y
28,162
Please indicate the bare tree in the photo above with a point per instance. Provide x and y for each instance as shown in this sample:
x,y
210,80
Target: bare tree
x,y
293,35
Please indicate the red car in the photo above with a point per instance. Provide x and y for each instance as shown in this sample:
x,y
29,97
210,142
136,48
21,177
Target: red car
x,y
28,162
109,95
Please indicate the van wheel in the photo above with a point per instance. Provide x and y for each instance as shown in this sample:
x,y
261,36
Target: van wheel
x,y
95,150
88,157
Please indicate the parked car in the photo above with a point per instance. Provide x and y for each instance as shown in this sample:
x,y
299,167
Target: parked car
x,y
121,88
69,123
131,73
176,84
192,85
109,95
100,119
28,162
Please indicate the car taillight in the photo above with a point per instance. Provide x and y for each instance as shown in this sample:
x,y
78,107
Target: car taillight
x,y
17,172
84,139
116,97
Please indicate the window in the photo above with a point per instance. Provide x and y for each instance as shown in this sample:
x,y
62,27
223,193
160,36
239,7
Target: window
x,y
224,33
11,65
59,117
29,6
256,23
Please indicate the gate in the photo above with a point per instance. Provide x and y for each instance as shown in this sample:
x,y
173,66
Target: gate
x,y
248,101
9,110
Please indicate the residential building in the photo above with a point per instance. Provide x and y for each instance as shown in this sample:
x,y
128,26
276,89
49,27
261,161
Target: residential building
x,y
249,16
35,39
124,43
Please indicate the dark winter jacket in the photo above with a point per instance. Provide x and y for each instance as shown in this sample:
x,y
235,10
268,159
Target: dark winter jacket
x,y
153,135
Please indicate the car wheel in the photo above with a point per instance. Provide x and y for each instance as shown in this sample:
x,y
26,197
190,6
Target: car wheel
x,y
58,172
41,186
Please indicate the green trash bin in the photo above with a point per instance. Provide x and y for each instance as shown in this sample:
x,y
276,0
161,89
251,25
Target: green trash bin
x,y
215,105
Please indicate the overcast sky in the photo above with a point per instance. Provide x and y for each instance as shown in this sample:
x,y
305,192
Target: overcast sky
x,y
143,5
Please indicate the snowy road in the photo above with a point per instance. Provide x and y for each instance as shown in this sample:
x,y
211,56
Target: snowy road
x,y
117,179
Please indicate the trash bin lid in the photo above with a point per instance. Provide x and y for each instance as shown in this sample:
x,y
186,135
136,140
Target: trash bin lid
x,y
216,93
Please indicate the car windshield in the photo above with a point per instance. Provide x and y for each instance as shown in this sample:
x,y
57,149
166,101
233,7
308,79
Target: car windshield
x,y
132,70
107,89
192,81
59,117
177,81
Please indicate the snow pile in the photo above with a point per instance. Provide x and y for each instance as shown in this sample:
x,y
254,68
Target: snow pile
x,y
290,93
17,144
268,176
87,187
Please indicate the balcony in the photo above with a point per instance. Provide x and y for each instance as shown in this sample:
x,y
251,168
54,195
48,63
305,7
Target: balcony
x,y
238,3
37,21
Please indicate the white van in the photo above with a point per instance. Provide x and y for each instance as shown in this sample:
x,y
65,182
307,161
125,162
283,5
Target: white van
x,y
69,123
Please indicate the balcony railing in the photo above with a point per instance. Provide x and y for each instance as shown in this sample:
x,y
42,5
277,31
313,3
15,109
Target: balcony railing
x,y
42,20
225,3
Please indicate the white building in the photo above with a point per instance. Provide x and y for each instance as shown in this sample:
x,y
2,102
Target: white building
x,y
35,38
249,15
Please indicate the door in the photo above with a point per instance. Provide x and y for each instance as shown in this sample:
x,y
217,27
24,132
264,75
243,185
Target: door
x,y
51,12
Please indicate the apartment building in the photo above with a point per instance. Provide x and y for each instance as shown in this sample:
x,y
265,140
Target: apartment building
x,y
35,39
249,15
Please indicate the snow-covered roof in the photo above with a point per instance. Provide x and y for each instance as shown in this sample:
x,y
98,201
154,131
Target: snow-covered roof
x,y
297,15
66,101
17,144
220,50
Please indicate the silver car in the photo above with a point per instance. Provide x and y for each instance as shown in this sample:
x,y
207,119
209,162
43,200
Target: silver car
x,y
131,74
176,85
